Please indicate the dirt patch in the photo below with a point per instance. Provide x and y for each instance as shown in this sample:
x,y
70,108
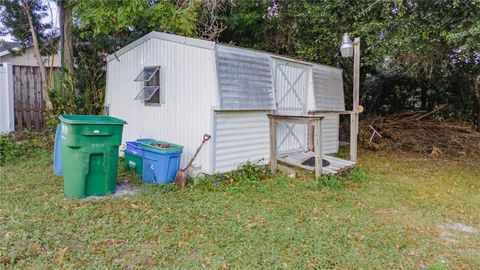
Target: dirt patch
x,y
453,232
192,256
125,189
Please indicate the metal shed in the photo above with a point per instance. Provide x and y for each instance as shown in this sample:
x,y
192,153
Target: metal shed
x,y
178,88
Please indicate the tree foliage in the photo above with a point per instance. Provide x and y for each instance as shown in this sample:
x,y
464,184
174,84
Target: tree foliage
x,y
416,54
14,21
100,28
120,17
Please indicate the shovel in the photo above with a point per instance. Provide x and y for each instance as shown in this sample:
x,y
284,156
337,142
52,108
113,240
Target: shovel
x,y
181,177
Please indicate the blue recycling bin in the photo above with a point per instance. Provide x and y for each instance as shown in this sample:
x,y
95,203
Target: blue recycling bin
x,y
133,159
135,147
161,161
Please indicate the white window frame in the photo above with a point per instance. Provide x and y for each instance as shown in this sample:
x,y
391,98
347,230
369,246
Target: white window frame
x,y
147,84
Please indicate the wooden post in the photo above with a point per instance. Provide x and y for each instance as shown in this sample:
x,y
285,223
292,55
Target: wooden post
x,y
356,100
273,145
318,148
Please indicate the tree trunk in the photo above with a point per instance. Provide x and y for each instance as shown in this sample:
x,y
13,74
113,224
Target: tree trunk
x,y
66,43
38,57
475,82
67,37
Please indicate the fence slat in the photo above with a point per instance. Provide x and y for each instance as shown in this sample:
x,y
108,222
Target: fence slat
x,y
30,82
29,100
16,94
39,96
19,114
28,115
36,115
23,93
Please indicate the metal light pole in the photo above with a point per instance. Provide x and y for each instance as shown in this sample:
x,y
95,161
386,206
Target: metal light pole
x,y
349,49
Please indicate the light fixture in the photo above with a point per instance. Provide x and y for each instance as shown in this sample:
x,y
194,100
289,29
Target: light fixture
x,y
346,49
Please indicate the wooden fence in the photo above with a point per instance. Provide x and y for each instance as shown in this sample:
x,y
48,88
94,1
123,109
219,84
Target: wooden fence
x,y
29,102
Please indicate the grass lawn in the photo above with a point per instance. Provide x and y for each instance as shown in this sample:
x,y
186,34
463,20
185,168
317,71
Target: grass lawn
x,y
408,212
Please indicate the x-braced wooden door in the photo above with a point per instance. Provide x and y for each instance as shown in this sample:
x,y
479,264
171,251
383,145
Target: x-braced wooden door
x,y
291,85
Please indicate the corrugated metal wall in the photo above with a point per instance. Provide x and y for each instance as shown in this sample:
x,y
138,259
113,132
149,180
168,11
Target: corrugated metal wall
x,y
328,86
291,88
244,79
330,129
188,83
240,137
328,95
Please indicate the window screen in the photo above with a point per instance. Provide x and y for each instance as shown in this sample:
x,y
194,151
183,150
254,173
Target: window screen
x,y
146,74
150,93
147,93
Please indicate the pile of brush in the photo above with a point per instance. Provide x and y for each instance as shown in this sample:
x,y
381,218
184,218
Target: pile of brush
x,y
420,132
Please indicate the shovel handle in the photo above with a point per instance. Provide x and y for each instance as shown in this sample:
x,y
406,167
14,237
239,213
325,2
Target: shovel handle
x,y
206,137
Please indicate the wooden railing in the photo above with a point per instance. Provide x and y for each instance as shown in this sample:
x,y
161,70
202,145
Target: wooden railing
x,y
310,120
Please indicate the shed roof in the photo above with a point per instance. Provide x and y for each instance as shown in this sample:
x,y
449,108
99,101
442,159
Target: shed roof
x,y
6,46
245,79
197,42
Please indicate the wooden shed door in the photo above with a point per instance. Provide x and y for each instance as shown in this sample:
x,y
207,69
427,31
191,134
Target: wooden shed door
x,y
291,85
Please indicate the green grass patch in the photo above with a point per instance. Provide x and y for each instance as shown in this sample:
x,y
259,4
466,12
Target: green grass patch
x,y
386,214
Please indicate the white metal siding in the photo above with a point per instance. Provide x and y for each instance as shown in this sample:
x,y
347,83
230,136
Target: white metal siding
x,y
188,83
244,79
330,129
327,94
240,137
328,88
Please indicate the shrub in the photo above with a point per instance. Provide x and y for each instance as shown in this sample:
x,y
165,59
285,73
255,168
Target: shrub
x,y
357,174
9,150
247,173
333,182
32,144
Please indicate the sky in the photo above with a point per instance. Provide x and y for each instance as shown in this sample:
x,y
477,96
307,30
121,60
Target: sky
x,y
53,16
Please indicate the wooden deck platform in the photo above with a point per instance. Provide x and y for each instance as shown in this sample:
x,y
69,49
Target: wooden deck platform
x,y
297,158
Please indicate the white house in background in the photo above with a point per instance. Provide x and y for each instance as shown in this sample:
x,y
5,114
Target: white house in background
x,y
27,58
176,89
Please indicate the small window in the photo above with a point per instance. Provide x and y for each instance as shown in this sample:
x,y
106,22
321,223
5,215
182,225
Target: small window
x,y
150,93
146,74
147,93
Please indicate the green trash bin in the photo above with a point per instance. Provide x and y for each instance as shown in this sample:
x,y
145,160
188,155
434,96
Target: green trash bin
x,y
90,154
133,162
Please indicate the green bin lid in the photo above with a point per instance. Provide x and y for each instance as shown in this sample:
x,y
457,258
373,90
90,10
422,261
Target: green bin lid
x,y
150,146
78,119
